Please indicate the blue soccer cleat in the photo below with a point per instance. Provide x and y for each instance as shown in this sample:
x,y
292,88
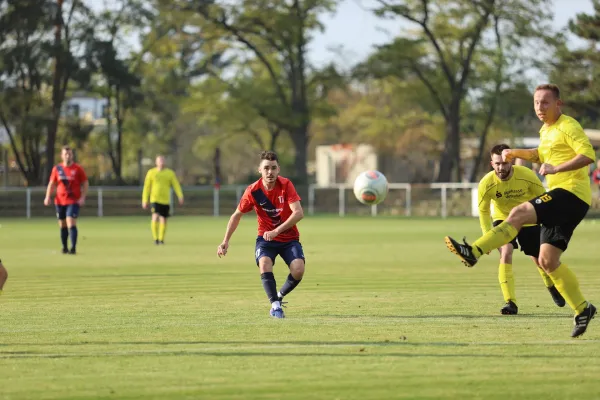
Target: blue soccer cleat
x,y
277,313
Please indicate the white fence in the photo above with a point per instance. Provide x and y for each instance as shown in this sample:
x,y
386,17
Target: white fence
x,y
438,199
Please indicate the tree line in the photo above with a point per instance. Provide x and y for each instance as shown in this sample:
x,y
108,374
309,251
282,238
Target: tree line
x,y
200,79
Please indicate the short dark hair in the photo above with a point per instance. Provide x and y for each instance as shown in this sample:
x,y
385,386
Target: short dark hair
x,y
551,87
497,149
66,147
269,156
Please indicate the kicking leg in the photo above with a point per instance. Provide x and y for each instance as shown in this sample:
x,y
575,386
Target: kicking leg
x,y
494,238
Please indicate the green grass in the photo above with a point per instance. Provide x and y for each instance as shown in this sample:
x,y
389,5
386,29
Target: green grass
x,y
384,311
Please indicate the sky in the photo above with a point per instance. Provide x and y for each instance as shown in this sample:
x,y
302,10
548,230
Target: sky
x,y
356,30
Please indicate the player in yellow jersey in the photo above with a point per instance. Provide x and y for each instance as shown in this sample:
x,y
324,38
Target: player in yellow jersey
x,y
564,153
157,187
506,187
3,276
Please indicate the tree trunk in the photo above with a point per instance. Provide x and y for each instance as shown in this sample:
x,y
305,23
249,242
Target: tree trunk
x,y
446,159
300,140
56,90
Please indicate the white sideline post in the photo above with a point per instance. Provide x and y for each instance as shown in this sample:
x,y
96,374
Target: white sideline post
x,y
28,203
239,191
374,210
100,203
216,202
311,199
444,200
342,200
408,210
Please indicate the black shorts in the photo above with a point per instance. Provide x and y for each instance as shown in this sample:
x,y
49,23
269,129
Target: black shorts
x,y
559,212
528,239
160,209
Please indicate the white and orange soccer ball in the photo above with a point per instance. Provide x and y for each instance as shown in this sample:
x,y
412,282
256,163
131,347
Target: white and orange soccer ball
x,y
371,187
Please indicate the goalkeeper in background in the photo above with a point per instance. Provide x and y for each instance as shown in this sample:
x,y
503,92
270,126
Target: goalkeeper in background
x,y
157,189
506,187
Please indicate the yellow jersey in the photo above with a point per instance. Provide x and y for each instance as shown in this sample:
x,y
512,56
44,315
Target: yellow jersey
x,y
522,186
157,186
561,142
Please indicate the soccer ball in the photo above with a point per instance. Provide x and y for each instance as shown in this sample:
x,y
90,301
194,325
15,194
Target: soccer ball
x,y
371,187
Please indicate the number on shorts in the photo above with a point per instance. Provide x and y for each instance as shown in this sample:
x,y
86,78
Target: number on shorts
x,y
545,197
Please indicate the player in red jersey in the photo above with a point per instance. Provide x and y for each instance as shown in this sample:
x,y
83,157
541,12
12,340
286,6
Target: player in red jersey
x,y
71,185
278,210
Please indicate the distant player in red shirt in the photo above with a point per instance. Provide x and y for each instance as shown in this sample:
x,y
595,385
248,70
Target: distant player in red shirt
x,y
71,184
278,210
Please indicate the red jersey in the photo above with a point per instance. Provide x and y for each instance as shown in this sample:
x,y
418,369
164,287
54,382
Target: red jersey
x,y
68,181
272,207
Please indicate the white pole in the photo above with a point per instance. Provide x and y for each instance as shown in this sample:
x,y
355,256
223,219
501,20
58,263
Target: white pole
x,y
100,203
342,201
408,210
444,200
374,210
311,199
216,202
171,203
28,203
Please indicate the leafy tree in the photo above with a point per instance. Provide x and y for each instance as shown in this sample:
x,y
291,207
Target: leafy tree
x,y
38,42
276,34
451,40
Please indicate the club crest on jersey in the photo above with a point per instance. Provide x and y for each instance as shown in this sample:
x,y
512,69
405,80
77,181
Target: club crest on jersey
x,y
280,199
498,195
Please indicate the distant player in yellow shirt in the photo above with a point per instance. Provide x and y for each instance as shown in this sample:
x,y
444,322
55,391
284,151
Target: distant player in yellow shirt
x,y
564,153
3,276
506,187
157,187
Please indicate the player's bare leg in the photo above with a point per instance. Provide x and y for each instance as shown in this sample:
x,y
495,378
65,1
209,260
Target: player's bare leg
x,y
507,280
265,264
162,229
3,276
72,226
64,235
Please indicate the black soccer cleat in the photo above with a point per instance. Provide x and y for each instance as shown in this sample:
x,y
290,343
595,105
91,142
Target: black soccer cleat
x,y
556,296
156,242
65,251
73,251
582,320
161,242
463,251
509,309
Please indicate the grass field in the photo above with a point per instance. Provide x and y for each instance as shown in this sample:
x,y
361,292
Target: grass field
x,y
384,311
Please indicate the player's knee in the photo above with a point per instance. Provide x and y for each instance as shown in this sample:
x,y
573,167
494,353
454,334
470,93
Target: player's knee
x,y
548,263
521,215
505,256
297,268
265,264
62,223
71,222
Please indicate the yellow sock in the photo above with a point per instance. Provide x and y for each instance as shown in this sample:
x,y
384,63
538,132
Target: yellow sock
x,y
567,284
161,231
494,238
547,280
154,226
507,282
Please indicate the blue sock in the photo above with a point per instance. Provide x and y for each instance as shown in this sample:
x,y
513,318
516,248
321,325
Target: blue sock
x,y
64,235
73,230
